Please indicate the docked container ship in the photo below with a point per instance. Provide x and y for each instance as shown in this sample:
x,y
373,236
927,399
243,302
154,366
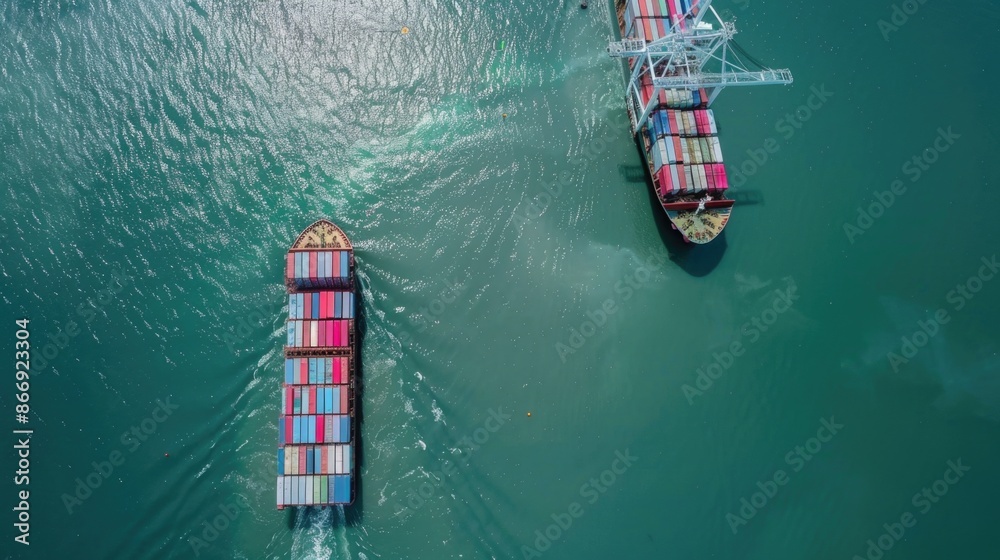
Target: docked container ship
x,y
317,426
677,63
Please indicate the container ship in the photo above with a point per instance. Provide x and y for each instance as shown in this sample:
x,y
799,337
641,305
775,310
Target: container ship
x,y
317,426
678,62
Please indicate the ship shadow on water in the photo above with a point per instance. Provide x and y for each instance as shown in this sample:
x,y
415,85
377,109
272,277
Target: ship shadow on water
x,y
353,514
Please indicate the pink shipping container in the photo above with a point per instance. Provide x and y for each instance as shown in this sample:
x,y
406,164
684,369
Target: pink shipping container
x,y
663,178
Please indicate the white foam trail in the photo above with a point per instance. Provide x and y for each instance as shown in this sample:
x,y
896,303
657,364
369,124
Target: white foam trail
x,y
317,533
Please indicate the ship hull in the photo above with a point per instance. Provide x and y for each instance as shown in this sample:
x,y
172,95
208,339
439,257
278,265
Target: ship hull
x,y
678,141
317,429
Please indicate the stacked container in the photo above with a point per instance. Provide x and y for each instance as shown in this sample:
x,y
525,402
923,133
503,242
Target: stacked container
x,y
319,269
683,148
653,19
315,430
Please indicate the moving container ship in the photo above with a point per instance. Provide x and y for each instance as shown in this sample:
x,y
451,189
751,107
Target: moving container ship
x,y
677,64
316,429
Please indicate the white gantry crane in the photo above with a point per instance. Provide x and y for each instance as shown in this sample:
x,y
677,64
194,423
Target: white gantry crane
x,y
694,54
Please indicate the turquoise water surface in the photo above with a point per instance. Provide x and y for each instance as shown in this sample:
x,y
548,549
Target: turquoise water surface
x,y
788,391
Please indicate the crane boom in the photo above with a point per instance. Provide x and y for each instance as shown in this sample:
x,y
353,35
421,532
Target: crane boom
x,y
693,54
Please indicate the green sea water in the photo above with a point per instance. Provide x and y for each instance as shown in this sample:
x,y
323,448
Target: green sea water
x,y
755,398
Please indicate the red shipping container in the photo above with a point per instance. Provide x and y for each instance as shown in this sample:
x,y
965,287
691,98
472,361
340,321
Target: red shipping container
x,y
644,19
336,370
336,332
289,430
289,399
302,456
345,332
343,401
721,172
323,297
312,399
681,178
336,264
304,371
312,266
290,269
666,185
320,432
324,466
322,332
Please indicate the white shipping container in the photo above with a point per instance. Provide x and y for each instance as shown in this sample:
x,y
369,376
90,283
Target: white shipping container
x,y
347,459
281,490
717,148
707,155
675,179
704,177
695,149
689,177
309,490
711,122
